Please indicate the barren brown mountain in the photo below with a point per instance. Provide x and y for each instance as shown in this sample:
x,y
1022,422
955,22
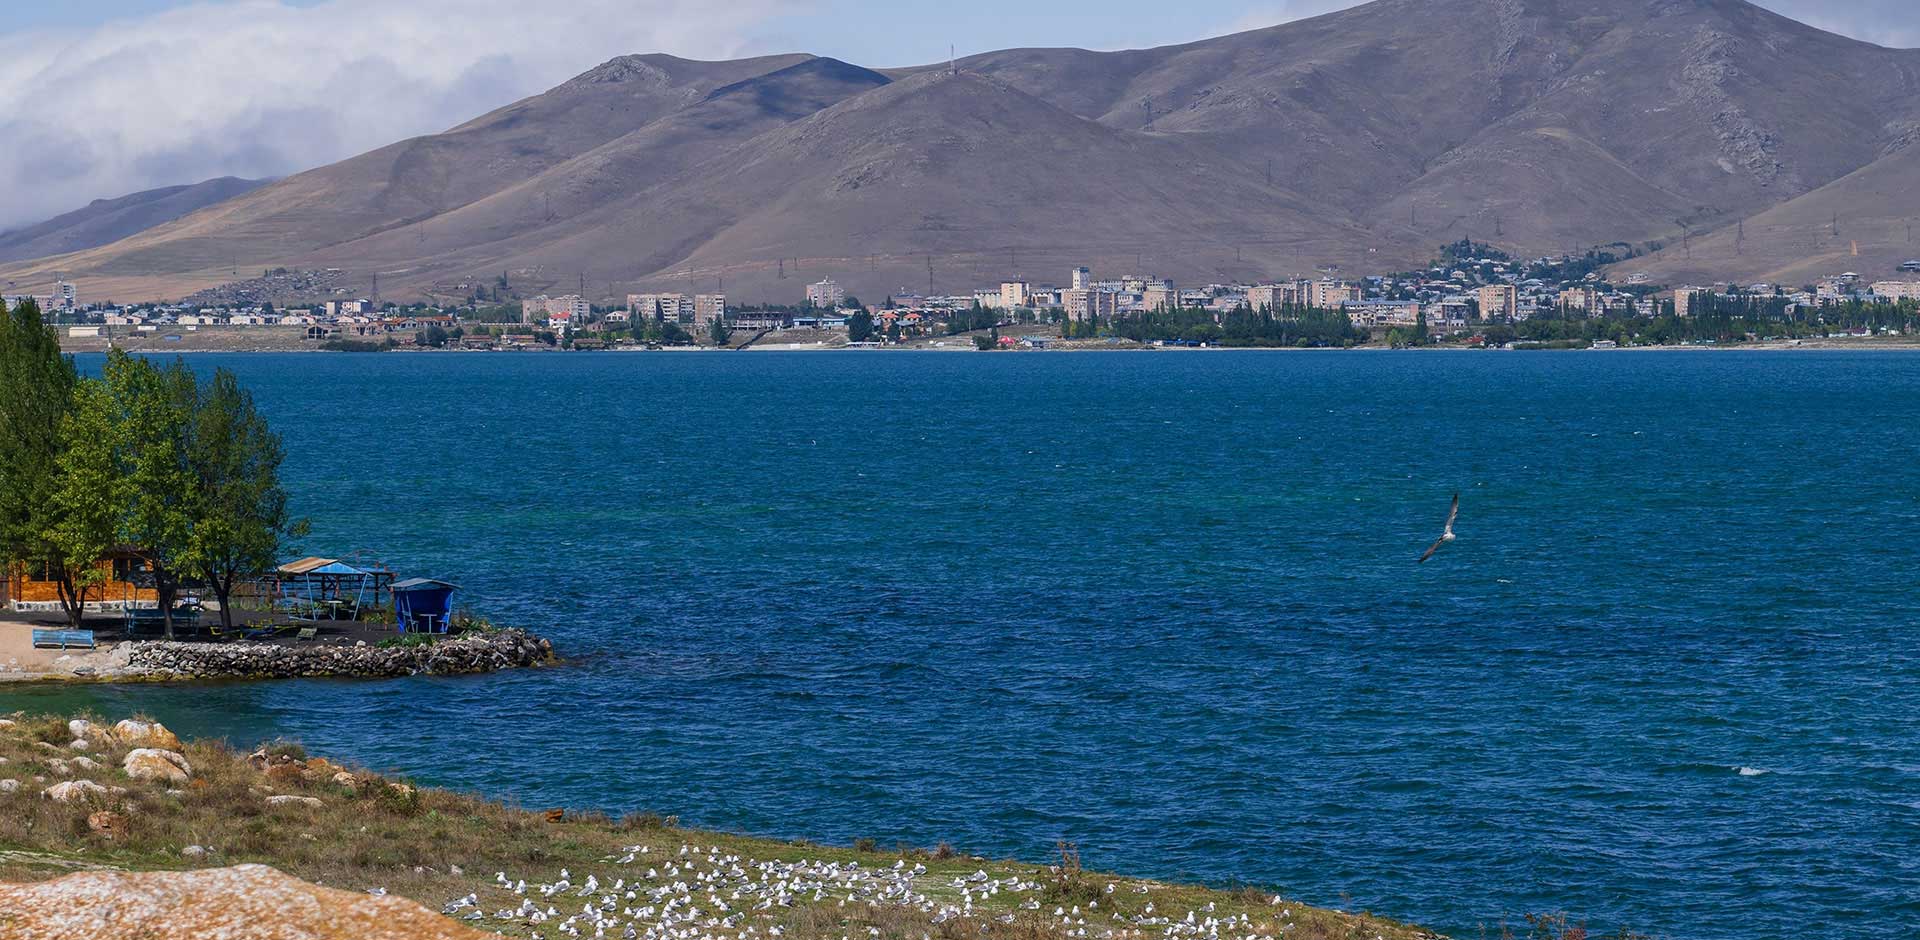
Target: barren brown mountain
x,y
1361,139
105,221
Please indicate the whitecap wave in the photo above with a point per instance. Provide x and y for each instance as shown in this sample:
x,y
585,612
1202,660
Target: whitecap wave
x,y
1750,771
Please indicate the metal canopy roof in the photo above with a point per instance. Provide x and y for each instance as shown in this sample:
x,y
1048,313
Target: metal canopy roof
x,y
414,584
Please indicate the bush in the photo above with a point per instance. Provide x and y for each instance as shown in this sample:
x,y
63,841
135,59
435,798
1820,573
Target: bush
x,y
353,346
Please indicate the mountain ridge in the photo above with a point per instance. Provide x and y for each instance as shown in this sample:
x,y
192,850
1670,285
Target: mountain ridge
x,y
1355,140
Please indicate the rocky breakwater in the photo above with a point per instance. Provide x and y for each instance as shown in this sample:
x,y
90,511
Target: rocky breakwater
x,y
472,653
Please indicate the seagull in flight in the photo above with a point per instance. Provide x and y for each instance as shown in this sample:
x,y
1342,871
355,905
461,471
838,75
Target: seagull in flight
x,y
1448,535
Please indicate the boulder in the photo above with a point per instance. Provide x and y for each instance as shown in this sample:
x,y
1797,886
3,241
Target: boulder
x,y
157,765
9,786
243,901
6,723
107,823
78,744
86,763
286,773
80,727
146,734
194,851
73,791
319,768
346,779
286,799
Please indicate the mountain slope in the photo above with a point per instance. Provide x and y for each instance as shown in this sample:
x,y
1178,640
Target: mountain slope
x,y
552,204
1360,139
108,220
876,188
414,179
1874,211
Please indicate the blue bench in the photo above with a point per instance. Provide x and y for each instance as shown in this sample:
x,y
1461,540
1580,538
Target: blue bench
x,y
63,639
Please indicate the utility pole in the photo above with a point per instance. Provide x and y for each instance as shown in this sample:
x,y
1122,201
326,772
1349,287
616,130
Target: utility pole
x,y
929,275
1740,237
783,269
1269,171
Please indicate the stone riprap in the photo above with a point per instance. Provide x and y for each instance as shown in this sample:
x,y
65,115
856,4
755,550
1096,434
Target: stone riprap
x,y
474,653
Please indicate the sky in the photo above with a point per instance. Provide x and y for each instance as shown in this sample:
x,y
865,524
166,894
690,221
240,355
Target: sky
x,y
100,98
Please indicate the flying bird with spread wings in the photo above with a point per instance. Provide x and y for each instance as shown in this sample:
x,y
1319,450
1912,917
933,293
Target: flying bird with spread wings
x,y
1446,536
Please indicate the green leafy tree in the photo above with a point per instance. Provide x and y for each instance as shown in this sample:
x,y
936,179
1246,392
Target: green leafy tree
x,y
717,331
36,392
155,410
859,326
82,519
242,520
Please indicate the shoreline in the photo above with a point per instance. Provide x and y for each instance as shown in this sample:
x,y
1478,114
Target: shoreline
x,y
142,661
134,798
1055,346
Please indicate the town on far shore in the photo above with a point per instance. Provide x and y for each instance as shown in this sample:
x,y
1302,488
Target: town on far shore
x,y
1473,295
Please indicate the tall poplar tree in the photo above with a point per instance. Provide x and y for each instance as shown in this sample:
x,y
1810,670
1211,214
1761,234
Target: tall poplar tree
x,y
242,518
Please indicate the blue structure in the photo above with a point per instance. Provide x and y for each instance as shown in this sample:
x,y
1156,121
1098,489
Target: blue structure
x,y
423,605
328,588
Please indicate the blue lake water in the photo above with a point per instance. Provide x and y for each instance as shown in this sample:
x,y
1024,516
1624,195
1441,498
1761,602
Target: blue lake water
x,y
1165,606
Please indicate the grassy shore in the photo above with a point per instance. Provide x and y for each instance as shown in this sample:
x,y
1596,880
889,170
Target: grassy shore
x,y
349,828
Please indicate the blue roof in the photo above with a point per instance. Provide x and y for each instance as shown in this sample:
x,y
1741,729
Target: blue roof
x,y
423,584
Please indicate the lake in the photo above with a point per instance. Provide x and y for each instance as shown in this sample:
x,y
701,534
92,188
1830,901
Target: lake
x,y
1164,606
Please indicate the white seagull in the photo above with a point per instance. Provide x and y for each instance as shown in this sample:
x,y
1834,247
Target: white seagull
x,y
1448,535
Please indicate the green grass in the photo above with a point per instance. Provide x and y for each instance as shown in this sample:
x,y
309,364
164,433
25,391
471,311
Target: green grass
x,y
435,846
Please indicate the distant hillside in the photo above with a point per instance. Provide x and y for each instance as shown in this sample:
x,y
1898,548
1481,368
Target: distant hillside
x,y
105,221
1359,140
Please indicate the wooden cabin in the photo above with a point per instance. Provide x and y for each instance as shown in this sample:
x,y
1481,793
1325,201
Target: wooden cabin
x,y
28,587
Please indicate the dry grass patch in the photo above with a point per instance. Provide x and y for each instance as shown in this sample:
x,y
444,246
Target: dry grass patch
x,y
370,831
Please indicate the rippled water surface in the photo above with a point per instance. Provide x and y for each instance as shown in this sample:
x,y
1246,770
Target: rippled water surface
x,y
1165,606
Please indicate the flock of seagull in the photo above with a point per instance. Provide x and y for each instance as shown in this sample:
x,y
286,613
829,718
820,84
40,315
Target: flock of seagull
x,y
707,894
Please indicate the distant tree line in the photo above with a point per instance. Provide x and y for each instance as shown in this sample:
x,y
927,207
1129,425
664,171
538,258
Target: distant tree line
x,y
1287,326
1710,317
148,460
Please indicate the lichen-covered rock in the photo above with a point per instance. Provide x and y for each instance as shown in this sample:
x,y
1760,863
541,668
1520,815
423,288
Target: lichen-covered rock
x,y
251,901
287,799
80,727
9,786
79,744
73,791
107,823
145,734
156,765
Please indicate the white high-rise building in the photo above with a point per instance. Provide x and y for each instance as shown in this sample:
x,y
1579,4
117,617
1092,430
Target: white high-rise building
x,y
825,294
1082,278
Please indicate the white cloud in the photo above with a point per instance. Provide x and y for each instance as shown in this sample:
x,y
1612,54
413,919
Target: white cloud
x,y
1263,15
260,88
1893,23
